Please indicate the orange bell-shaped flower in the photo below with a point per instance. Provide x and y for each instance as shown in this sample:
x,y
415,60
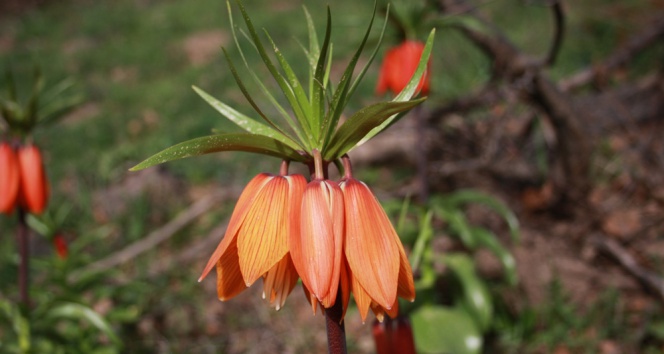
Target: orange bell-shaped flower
x,y
256,241
317,248
379,268
398,67
34,188
9,178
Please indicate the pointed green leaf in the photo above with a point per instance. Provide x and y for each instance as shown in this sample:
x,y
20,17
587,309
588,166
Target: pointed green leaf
x,y
360,123
360,76
458,225
318,98
79,312
426,233
295,84
472,196
340,98
476,297
281,81
488,239
223,142
443,330
408,91
244,122
259,81
245,92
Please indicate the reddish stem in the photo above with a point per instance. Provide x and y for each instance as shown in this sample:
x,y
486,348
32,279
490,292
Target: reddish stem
x,y
336,332
348,167
22,238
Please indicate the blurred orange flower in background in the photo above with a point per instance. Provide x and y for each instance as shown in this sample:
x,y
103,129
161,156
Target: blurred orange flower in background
x,y
22,179
398,67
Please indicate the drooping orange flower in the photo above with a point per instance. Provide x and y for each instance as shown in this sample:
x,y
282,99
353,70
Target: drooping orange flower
x,y
377,261
398,67
9,178
34,189
256,241
317,248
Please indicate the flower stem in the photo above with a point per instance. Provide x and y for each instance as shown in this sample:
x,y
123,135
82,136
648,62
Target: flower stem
x,y
348,168
336,332
283,170
22,238
319,171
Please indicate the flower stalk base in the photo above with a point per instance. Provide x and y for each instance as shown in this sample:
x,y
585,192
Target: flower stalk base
x,y
336,332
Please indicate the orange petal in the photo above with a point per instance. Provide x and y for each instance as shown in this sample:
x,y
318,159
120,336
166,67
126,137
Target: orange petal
x,y
380,311
362,298
311,298
262,240
239,213
345,285
34,189
372,244
316,249
279,282
229,277
406,287
9,178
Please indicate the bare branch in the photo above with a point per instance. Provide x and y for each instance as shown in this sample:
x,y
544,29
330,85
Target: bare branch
x,y
649,279
559,31
620,57
156,237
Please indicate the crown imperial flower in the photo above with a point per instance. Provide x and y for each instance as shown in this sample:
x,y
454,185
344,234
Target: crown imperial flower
x,y
9,178
399,66
34,188
335,236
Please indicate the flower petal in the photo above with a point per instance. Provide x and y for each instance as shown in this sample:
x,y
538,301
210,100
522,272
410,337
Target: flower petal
x,y
9,178
34,185
279,282
372,244
406,286
316,248
262,240
362,298
241,208
229,277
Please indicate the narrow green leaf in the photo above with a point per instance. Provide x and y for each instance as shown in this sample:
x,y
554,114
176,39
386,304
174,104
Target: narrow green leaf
x,y
79,312
245,92
476,297
458,225
438,329
244,122
426,233
259,81
488,239
360,76
360,123
281,81
295,84
223,142
340,98
318,98
408,91
471,196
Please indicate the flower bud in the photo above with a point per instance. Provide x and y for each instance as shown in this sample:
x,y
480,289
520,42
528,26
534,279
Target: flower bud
x,y
9,178
34,185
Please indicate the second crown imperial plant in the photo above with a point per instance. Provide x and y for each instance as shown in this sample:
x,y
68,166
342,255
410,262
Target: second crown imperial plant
x,y
333,235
